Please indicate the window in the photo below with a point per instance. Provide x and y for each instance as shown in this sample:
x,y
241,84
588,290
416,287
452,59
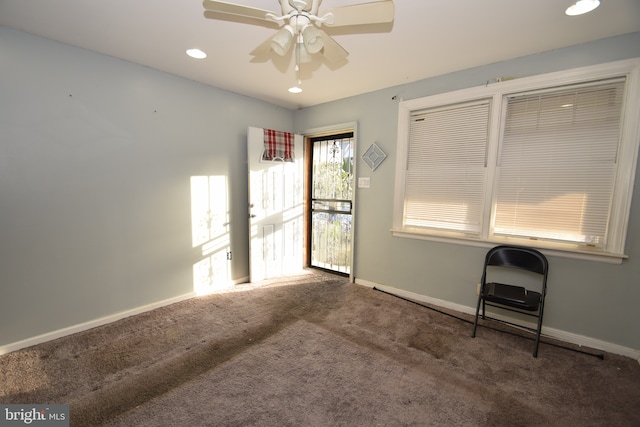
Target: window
x,y
445,171
547,161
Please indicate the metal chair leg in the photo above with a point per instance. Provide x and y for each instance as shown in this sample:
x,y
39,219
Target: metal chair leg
x,y
537,344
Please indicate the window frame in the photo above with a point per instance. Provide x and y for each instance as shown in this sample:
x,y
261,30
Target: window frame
x,y
498,93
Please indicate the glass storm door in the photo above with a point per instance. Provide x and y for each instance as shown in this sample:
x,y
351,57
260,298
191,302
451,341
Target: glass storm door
x,y
332,176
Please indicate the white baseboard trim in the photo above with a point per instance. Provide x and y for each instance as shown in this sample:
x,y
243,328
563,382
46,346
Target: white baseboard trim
x,y
8,348
580,340
569,337
90,324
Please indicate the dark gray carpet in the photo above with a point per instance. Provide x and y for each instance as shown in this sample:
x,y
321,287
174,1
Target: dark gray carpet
x,y
315,350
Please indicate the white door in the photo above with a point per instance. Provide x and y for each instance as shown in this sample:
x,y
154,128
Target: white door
x,y
276,211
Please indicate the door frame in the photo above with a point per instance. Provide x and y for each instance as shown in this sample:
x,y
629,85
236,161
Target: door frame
x,y
323,131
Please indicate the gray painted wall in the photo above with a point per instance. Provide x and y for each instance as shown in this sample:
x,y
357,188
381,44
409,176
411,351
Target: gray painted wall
x,y
96,156
591,299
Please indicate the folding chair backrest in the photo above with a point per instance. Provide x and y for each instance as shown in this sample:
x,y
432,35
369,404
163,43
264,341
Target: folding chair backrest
x,y
510,256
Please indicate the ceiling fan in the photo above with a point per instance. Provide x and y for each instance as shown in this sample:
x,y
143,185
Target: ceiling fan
x,y
300,24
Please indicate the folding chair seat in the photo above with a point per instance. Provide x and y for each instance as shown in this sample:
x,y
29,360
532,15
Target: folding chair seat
x,y
511,297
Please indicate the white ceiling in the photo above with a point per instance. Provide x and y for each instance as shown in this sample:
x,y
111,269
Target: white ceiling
x,y
427,38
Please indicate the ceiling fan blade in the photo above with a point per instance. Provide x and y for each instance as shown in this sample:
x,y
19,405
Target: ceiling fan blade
x,y
233,9
332,51
361,14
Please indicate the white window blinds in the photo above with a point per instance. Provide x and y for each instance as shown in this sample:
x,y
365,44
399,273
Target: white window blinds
x,y
557,163
445,175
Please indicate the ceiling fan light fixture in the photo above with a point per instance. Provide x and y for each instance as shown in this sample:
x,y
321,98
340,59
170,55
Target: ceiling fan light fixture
x,y
295,89
581,7
196,53
302,55
312,39
304,27
281,42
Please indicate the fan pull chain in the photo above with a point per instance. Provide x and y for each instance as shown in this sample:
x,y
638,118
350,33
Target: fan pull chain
x,y
297,68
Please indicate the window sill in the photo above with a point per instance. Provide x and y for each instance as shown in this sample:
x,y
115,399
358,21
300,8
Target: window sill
x,y
547,249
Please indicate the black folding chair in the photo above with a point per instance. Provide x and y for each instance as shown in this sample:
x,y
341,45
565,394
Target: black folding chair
x,y
510,297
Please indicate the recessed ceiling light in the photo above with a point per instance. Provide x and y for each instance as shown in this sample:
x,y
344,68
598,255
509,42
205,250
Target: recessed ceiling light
x,y
295,89
582,6
196,53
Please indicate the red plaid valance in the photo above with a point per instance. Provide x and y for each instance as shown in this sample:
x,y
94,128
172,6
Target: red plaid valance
x,y
278,145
